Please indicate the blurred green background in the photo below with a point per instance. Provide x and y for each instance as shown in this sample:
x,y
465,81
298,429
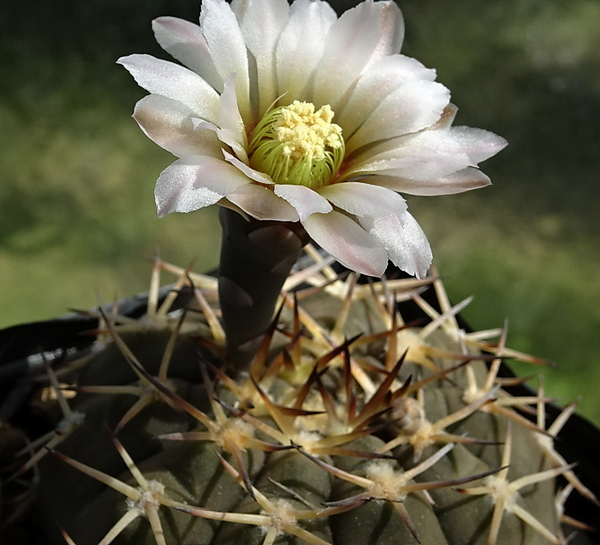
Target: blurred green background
x,y
76,202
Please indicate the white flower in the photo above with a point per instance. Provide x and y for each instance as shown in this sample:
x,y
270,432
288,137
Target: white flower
x,y
290,113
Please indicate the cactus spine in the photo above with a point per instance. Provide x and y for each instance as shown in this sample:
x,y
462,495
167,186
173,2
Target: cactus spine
x,y
351,426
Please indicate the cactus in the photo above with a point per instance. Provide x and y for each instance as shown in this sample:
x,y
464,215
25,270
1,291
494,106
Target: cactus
x,y
352,425
360,414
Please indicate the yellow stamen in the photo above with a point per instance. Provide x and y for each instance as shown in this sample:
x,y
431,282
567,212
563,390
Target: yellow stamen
x,y
297,145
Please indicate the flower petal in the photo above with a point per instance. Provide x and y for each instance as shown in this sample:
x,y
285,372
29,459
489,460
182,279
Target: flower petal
x,y
303,199
348,242
350,45
404,240
195,182
262,22
413,161
429,154
392,24
185,42
227,49
301,46
224,136
362,199
261,203
230,128
248,171
381,79
230,119
458,182
411,108
446,119
169,123
173,81
478,144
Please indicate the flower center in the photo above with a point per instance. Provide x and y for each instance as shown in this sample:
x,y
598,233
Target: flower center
x,y
296,145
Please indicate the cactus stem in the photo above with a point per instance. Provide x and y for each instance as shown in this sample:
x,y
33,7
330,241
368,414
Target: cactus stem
x,y
383,482
321,421
281,515
546,441
505,494
415,430
121,487
146,390
142,501
70,422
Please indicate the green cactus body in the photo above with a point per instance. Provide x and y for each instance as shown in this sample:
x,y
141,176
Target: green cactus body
x,y
349,428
